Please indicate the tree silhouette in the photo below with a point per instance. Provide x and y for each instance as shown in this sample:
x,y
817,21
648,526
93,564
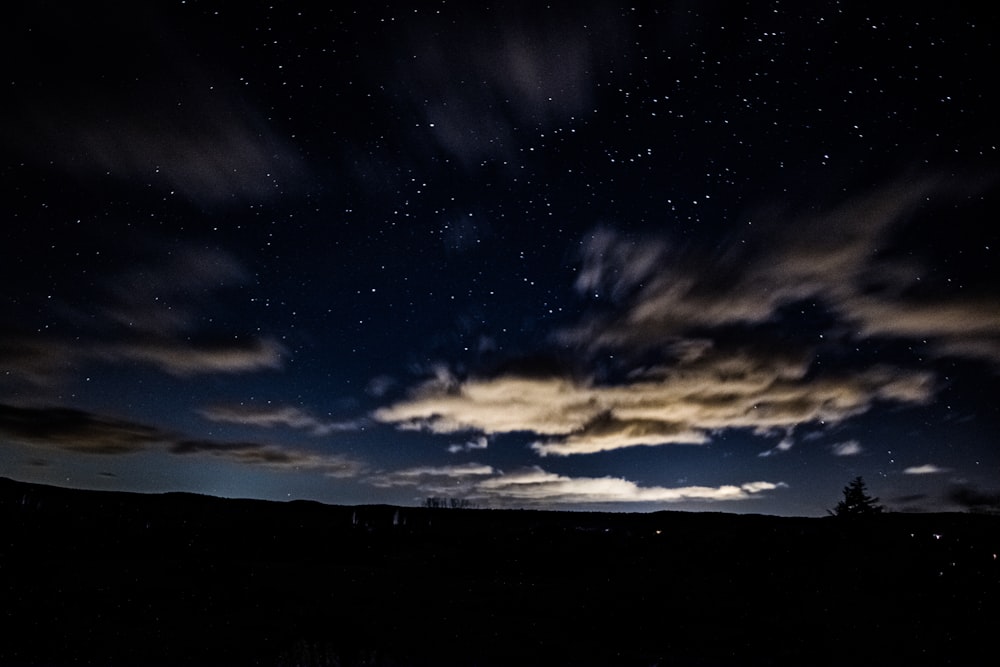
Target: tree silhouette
x,y
856,501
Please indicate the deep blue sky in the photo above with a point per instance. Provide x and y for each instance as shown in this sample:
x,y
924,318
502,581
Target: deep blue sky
x,y
690,255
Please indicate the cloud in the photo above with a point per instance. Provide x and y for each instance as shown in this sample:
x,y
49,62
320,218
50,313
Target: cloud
x,y
500,405
848,448
784,445
733,336
271,456
229,155
185,359
455,471
975,499
77,430
682,403
616,266
45,362
482,442
148,312
926,469
660,294
88,433
158,305
534,485
176,125
514,75
37,360
380,386
164,294
269,416
537,485
451,480
701,346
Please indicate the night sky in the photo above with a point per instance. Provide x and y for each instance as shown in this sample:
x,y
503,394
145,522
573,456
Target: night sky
x,y
709,256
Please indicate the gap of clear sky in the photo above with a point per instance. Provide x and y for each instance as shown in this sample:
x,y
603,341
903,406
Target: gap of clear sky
x,y
632,256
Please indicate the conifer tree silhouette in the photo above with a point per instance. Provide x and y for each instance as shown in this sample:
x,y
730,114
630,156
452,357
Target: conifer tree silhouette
x,y
856,501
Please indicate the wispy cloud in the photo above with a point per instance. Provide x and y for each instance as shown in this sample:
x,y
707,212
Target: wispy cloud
x,y
207,144
193,358
660,293
848,448
784,445
452,480
517,75
482,442
47,362
36,360
166,292
269,416
407,475
147,314
272,456
926,469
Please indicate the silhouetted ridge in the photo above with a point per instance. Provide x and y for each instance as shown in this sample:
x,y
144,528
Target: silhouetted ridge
x,y
102,578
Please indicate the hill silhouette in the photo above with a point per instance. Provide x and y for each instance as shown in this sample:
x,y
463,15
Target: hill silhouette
x,y
105,578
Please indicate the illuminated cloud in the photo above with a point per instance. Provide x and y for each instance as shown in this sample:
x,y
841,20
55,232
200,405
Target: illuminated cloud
x,y
926,469
455,480
606,432
269,416
456,471
849,448
537,485
500,405
962,327
681,404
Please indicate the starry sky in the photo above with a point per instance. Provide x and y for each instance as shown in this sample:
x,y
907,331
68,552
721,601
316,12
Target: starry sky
x,y
705,256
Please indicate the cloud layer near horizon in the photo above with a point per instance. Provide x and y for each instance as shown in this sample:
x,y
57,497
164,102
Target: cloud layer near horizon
x,y
534,485
52,428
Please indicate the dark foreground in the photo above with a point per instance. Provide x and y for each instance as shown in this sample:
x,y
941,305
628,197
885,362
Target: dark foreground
x,y
90,578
